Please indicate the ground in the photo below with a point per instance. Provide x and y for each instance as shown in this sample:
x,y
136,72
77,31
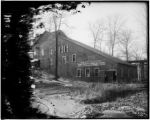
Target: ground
x,y
72,99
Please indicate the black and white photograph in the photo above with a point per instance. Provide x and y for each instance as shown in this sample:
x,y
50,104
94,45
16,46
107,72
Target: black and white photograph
x,y
75,59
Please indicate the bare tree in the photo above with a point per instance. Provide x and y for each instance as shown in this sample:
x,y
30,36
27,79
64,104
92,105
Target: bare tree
x,y
126,40
57,20
54,20
114,27
143,19
136,54
97,31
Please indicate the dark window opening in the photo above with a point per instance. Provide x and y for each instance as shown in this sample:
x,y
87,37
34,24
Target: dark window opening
x,y
87,72
96,72
74,58
79,73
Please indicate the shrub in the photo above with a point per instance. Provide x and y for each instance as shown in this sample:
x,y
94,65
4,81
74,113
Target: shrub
x,y
108,92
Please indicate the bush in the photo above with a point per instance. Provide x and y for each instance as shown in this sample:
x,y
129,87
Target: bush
x,y
108,92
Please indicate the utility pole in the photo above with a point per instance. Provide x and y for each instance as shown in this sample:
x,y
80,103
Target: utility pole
x,y
56,63
57,25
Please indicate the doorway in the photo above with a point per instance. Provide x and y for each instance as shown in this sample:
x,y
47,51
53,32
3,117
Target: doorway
x,y
110,76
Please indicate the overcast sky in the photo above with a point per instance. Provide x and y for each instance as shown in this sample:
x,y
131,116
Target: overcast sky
x,y
132,15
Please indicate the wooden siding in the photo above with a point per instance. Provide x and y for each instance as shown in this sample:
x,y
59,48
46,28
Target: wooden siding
x,y
69,69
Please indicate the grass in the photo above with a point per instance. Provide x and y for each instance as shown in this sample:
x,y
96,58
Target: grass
x,y
101,96
101,92
91,93
128,105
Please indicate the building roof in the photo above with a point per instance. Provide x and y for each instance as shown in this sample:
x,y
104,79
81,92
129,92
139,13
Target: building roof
x,y
43,37
46,35
138,61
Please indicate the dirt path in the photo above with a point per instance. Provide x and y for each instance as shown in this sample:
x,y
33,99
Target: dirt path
x,y
64,106
60,105
54,98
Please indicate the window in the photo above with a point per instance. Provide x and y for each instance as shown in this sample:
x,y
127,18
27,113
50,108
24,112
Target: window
x,y
87,72
64,59
96,71
78,72
74,58
42,52
65,48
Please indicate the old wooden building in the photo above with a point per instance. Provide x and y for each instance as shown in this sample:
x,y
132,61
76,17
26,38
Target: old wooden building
x,y
79,61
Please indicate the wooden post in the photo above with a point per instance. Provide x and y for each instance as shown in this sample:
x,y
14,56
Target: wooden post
x,y
56,63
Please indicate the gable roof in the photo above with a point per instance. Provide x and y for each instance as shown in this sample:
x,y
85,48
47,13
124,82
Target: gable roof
x,y
45,36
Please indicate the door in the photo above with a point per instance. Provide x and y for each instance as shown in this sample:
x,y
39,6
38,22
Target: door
x,y
110,76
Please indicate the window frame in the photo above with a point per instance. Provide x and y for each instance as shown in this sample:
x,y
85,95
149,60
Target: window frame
x,y
80,75
64,58
75,58
97,72
67,47
86,72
